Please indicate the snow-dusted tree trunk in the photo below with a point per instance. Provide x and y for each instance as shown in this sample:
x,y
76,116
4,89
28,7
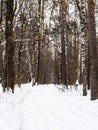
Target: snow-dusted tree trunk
x,y
82,15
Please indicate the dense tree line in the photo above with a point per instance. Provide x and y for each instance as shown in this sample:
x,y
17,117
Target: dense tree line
x,y
49,41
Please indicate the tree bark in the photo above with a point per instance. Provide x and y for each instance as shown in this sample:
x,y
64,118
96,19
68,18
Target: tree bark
x,y
63,7
8,72
93,51
39,46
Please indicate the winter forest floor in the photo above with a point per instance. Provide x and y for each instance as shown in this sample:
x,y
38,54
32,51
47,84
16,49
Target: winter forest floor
x,y
44,107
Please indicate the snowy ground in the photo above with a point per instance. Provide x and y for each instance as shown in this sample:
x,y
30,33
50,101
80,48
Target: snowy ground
x,y
47,108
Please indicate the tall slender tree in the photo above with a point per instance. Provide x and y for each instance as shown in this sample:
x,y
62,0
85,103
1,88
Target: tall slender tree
x,y
8,70
63,8
92,50
39,44
82,14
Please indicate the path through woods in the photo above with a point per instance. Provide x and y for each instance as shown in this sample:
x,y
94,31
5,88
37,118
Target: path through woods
x,y
47,108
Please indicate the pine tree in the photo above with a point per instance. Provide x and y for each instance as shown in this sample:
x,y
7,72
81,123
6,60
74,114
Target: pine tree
x,y
92,50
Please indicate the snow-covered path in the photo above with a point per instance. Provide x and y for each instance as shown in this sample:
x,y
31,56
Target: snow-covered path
x,y
47,108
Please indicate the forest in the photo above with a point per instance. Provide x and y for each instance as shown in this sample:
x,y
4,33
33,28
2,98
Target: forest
x,y
48,64
49,42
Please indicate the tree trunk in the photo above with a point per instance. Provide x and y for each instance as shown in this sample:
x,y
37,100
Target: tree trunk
x,y
8,72
41,42
63,7
88,69
39,46
82,15
93,51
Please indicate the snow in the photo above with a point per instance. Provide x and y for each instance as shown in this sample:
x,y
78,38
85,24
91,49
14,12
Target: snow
x,y
45,107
